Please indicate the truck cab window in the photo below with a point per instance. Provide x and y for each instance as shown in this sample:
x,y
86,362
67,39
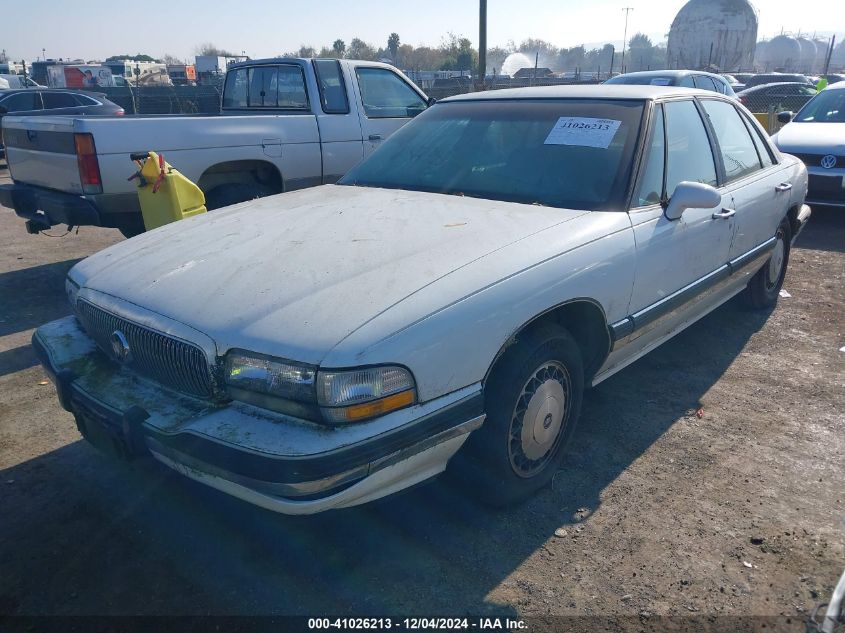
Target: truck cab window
x,y
332,88
385,95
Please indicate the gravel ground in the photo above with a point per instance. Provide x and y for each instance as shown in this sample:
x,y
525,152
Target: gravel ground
x,y
657,512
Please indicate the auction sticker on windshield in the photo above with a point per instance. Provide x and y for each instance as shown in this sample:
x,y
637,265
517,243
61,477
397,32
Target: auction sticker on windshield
x,y
583,131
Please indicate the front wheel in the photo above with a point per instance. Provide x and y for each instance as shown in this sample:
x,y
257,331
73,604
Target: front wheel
x,y
533,400
764,287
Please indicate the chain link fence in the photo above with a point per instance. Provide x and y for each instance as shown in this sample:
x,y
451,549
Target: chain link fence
x,y
165,99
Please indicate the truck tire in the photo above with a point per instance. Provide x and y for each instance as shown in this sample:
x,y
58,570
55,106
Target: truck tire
x,y
533,400
763,289
233,193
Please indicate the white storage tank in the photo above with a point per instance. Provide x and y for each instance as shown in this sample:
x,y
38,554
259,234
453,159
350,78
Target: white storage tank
x,y
783,54
721,34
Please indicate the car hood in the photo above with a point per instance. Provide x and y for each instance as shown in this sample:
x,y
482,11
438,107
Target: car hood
x,y
811,138
294,274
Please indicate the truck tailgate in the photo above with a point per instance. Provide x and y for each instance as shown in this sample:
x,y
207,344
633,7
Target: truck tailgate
x,y
40,151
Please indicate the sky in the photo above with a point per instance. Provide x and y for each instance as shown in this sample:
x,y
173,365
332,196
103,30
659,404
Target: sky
x,y
95,29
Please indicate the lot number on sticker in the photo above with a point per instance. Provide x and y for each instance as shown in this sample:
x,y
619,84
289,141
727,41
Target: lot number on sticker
x,y
583,131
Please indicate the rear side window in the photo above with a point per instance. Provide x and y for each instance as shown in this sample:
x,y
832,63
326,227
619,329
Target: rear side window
x,y
58,100
85,100
687,82
278,87
22,101
332,87
688,149
739,153
705,83
385,95
761,145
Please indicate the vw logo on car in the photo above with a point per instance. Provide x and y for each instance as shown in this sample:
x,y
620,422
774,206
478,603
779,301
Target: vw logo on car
x,y
829,161
120,346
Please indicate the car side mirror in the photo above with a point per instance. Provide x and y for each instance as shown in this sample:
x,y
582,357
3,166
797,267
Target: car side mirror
x,y
691,195
431,101
785,117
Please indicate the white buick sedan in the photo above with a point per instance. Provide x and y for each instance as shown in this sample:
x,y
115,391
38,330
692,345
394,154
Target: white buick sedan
x,y
449,299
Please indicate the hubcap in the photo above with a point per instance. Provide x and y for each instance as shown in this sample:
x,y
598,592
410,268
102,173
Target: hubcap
x,y
776,262
538,418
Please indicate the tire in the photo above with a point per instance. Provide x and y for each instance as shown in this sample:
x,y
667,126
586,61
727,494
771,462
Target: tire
x,y
762,291
541,377
227,195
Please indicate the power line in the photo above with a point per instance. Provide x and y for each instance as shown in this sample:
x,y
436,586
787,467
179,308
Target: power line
x,y
627,10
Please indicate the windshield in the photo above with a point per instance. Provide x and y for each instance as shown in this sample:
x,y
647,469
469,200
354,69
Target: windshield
x,y
573,153
826,107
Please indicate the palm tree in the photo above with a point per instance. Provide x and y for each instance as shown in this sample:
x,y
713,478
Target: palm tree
x,y
393,45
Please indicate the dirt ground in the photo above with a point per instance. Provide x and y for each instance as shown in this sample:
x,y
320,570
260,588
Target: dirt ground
x,y
739,512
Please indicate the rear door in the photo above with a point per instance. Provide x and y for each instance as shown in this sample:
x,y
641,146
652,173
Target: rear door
x,y
757,185
387,102
61,103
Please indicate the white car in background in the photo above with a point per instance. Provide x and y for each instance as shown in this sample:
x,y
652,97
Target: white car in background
x,y
816,135
456,291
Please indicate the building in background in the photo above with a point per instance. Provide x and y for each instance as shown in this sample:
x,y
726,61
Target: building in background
x,y
182,74
713,34
211,68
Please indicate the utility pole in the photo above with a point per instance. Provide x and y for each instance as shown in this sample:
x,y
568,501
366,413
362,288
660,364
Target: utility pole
x,y
627,10
482,41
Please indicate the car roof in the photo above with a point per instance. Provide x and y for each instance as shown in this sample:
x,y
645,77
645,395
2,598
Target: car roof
x,y
839,85
778,83
590,91
669,73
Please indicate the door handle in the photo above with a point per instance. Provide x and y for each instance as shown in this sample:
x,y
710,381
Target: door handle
x,y
375,137
725,214
784,186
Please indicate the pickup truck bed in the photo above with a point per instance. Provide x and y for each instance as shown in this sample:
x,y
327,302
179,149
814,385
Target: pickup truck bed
x,y
326,116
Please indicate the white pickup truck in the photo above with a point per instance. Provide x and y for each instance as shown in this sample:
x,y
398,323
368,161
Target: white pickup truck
x,y
285,124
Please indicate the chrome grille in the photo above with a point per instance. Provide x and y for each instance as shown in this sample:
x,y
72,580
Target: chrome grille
x,y
172,362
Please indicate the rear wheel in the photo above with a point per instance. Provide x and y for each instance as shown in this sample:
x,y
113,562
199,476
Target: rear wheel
x,y
762,291
533,400
130,227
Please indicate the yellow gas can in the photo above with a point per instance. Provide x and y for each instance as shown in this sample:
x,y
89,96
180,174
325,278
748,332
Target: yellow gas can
x,y
164,193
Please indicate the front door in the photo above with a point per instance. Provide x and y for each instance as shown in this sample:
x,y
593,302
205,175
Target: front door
x,y
388,103
678,261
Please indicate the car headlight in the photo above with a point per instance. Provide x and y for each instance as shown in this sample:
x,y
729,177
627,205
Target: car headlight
x,y
360,394
274,377
334,397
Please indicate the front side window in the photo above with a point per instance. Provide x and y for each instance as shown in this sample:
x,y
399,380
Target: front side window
x,y
568,153
651,185
385,95
739,154
22,102
689,157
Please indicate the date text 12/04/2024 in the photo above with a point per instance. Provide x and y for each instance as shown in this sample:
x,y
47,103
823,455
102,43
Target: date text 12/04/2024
x,y
415,624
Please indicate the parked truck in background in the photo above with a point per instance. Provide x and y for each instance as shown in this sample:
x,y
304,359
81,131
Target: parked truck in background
x,y
285,124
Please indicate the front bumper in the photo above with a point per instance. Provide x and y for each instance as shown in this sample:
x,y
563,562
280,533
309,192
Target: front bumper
x,y
826,187
271,460
46,208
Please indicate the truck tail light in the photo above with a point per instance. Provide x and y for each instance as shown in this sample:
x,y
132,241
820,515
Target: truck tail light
x,y
89,168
